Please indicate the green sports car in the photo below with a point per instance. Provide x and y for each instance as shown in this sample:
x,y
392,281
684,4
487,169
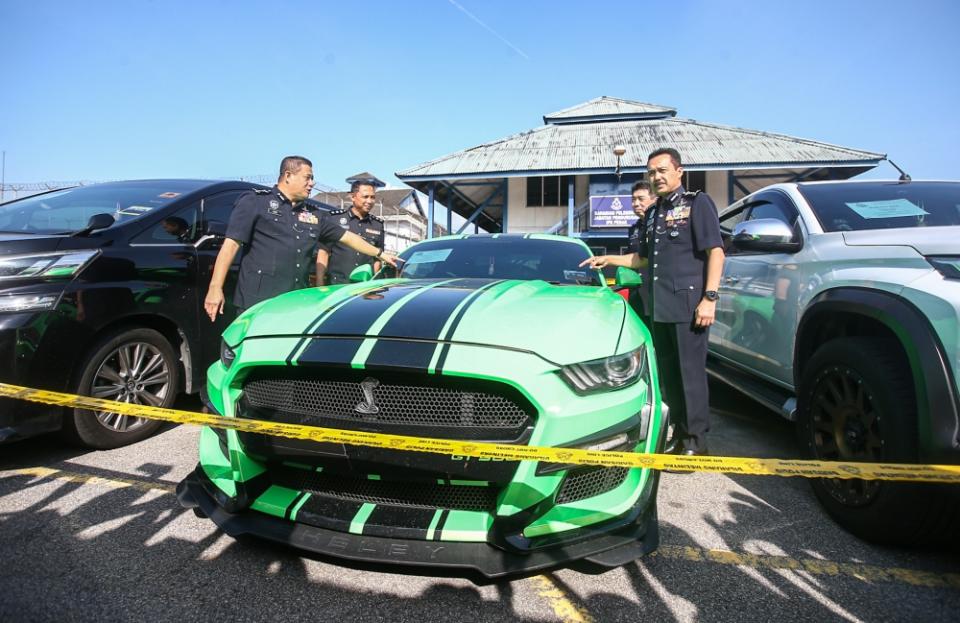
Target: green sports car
x,y
500,338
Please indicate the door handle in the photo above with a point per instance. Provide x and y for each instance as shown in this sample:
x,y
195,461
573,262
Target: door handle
x,y
731,279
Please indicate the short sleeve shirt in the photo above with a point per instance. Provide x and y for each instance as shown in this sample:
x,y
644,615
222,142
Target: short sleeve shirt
x,y
343,259
680,229
279,242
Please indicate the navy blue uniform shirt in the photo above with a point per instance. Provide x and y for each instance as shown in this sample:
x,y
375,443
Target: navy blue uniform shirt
x,y
639,297
343,259
680,229
279,242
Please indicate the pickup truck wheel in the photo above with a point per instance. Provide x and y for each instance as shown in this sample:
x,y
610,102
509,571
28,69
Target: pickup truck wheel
x,y
857,403
132,365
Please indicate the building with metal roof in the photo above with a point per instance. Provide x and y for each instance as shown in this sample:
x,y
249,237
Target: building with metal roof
x,y
542,179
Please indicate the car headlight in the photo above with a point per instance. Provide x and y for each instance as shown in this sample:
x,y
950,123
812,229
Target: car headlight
x,y
227,355
947,266
28,302
45,265
607,373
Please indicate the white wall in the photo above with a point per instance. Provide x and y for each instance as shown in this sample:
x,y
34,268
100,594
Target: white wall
x,y
717,188
522,219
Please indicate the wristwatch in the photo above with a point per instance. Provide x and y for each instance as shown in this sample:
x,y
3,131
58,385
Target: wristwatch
x,y
711,295
379,252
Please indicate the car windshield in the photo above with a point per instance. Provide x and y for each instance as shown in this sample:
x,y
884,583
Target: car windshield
x,y
503,257
851,207
69,210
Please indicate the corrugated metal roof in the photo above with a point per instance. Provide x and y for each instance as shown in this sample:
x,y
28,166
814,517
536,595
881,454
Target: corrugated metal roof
x,y
605,108
588,148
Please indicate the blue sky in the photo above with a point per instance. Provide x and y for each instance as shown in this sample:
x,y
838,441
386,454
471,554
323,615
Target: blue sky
x,y
111,90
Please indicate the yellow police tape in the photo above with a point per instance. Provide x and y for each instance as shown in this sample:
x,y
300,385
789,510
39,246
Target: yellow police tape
x,y
498,451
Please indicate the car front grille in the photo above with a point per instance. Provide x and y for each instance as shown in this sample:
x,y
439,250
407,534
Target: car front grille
x,y
487,411
590,481
408,494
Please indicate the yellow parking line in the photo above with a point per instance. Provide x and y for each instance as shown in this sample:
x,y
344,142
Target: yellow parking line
x,y
566,610
814,566
70,476
561,604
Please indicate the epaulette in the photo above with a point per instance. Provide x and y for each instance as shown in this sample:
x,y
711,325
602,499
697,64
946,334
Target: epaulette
x,y
262,191
341,211
376,218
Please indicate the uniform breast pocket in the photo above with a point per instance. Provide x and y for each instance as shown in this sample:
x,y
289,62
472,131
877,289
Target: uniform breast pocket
x,y
689,292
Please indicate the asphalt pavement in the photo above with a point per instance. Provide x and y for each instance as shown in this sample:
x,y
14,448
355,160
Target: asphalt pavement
x,y
98,536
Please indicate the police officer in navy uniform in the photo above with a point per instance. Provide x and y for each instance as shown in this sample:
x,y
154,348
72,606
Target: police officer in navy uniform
x,y
641,200
279,233
339,259
684,252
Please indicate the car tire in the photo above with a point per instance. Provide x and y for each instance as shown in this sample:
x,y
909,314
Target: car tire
x,y
857,403
131,365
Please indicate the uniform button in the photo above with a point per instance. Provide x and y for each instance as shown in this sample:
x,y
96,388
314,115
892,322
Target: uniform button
x,y
655,278
691,287
655,265
656,240
258,272
655,252
298,265
298,237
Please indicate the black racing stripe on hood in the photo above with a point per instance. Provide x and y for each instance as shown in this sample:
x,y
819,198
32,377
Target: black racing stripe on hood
x,y
313,326
355,317
335,351
422,318
445,349
400,354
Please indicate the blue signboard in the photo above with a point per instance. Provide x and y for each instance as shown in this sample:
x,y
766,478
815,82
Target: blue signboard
x,y
611,211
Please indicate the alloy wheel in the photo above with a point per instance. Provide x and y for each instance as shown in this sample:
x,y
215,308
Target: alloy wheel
x,y
134,372
846,427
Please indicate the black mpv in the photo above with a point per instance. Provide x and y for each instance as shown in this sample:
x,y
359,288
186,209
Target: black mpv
x,y
101,294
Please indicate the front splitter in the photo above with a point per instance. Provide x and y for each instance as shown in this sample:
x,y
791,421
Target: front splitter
x,y
609,549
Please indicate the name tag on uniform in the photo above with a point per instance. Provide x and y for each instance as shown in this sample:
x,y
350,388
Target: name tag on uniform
x,y
375,232
308,217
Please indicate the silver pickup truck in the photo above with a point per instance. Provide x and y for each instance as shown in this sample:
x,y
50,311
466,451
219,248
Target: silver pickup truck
x,y
839,309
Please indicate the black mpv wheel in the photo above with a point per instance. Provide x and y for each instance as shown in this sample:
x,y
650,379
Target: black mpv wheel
x,y
134,365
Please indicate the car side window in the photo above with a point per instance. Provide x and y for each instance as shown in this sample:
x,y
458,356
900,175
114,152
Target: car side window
x,y
179,228
728,221
217,209
775,206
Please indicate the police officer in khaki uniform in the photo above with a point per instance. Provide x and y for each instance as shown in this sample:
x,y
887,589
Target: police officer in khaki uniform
x,y
340,260
683,250
641,200
279,233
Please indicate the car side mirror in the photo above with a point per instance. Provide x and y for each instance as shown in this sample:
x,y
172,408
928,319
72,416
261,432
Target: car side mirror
x,y
627,278
100,221
364,272
768,235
